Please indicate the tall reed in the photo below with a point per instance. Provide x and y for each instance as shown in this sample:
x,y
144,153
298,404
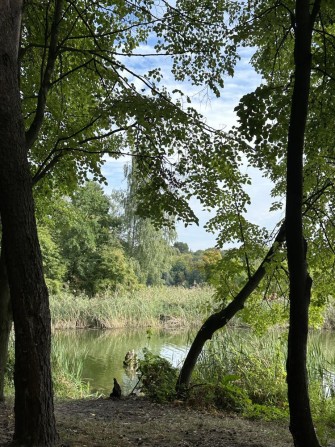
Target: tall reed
x,y
150,306
256,364
66,374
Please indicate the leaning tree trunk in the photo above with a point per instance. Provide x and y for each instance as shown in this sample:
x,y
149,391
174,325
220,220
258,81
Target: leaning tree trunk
x,y
301,423
5,322
34,414
221,318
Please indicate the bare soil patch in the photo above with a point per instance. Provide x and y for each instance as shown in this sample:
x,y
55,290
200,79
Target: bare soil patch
x,y
136,421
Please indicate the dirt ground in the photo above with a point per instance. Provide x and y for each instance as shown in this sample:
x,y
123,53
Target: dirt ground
x,y
136,421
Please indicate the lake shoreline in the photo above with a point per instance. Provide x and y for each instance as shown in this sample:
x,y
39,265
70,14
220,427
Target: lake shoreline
x,y
159,307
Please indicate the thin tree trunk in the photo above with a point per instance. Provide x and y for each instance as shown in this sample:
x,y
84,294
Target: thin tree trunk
x,y
301,423
221,318
34,414
6,320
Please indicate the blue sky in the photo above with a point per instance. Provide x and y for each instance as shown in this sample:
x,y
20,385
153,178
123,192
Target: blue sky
x,y
219,113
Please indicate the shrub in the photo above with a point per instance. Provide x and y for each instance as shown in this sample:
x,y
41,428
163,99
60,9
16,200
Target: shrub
x,y
157,377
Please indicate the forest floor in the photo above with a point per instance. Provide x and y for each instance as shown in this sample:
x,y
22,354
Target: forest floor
x,y
136,421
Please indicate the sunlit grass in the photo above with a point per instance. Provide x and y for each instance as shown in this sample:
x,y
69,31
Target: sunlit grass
x,y
152,306
254,365
66,373
253,369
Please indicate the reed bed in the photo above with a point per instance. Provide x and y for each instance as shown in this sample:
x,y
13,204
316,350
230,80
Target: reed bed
x,y
151,306
252,363
252,370
67,374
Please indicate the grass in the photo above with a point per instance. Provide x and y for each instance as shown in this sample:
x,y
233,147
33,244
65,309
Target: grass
x,y
159,306
151,306
247,372
66,374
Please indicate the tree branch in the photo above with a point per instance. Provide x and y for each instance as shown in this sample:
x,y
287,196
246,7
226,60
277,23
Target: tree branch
x,y
32,132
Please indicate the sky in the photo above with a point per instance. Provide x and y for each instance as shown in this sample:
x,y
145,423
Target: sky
x,y
219,113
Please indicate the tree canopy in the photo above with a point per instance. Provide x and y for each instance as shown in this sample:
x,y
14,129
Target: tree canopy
x,y
83,98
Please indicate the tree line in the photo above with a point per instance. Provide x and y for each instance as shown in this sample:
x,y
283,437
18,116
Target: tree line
x,y
90,244
69,95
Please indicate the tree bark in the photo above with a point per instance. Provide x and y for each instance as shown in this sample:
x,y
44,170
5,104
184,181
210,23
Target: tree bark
x,y
301,423
6,321
34,414
221,318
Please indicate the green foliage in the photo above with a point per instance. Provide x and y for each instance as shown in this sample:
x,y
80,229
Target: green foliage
x,y
251,368
182,247
81,245
256,365
113,272
53,262
323,411
83,97
191,269
225,395
157,377
262,128
147,244
81,101
266,413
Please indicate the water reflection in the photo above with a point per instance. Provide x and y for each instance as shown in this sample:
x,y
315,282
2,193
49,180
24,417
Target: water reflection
x,y
102,353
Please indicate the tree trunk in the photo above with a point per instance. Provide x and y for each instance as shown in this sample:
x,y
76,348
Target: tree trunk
x,y
6,320
301,424
221,318
34,415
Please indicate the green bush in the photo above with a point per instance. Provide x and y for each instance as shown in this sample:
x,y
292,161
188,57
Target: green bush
x,y
225,395
157,377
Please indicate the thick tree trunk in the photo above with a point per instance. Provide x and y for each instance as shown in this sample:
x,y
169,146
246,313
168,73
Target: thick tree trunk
x,y
301,424
6,320
34,416
221,318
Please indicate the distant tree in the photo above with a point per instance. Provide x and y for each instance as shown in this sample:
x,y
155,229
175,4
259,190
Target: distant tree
x,y
86,237
113,271
209,259
179,275
148,245
182,247
54,264
190,269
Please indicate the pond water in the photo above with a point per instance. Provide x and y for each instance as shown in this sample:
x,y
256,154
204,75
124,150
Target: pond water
x,y
100,354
